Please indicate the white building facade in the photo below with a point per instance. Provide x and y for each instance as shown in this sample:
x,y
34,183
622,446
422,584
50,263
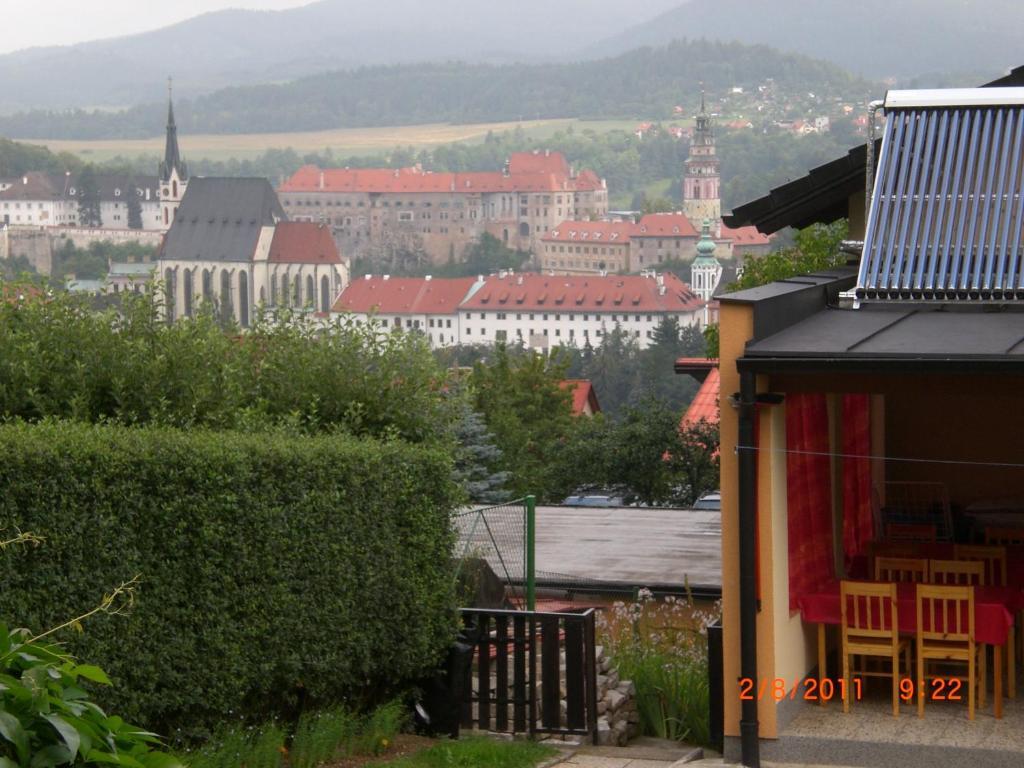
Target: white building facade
x,y
539,311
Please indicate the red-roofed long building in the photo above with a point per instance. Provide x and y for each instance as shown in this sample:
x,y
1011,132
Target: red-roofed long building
x,y
378,209
540,311
423,304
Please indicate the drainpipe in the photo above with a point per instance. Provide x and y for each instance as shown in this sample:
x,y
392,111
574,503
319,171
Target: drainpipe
x,y
748,566
869,183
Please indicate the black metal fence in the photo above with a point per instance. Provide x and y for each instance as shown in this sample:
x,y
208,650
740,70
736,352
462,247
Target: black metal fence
x,y
523,662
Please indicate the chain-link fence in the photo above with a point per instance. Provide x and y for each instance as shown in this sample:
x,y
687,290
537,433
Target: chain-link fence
x,y
501,535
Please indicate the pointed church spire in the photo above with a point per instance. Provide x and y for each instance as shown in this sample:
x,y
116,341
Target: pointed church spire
x,y
172,155
702,110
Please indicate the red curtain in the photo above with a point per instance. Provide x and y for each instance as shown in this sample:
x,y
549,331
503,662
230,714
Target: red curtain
x,y
809,494
857,520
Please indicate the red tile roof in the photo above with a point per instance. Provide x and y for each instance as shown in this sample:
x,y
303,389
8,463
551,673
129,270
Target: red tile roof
x,y
303,242
611,293
404,295
744,236
705,402
601,232
665,225
538,162
583,394
528,172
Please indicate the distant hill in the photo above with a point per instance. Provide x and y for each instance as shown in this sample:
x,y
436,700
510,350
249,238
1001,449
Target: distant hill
x,y
236,47
647,82
874,38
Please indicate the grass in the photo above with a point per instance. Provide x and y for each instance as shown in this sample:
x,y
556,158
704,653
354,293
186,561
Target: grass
x,y
342,141
475,752
253,748
319,736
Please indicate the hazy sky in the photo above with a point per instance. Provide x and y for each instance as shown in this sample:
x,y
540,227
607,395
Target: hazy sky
x,y
60,22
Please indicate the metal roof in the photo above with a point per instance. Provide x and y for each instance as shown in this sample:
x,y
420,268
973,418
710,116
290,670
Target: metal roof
x,y
947,210
921,335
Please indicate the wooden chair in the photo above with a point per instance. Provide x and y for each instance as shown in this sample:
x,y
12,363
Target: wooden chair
x,y
909,569
870,627
887,548
945,632
1004,536
911,532
957,572
994,558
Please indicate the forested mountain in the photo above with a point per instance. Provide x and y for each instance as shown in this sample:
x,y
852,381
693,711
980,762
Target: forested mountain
x,y
647,82
875,38
236,47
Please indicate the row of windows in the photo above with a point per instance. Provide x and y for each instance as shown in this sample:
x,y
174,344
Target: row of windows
x,y
503,335
558,316
586,249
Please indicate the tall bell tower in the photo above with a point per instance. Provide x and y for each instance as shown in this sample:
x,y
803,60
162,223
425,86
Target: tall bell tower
x,y
173,170
702,173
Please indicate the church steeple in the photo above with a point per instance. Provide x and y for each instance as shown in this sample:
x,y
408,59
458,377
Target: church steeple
x,y
701,175
173,171
172,155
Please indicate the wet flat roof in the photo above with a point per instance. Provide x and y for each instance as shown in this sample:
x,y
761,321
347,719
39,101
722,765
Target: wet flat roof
x,y
904,333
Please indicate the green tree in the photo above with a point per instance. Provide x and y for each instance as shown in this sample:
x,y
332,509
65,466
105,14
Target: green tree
x,y
134,210
816,248
645,456
530,416
658,205
669,342
89,198
711,341
476,455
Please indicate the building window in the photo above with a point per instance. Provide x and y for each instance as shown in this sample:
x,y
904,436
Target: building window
x,y
325,294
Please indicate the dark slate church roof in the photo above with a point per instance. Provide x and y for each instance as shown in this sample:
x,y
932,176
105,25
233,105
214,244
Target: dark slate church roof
x,y
221,219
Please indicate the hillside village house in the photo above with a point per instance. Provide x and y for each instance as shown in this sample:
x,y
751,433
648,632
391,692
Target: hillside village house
x,y
231,244
51,200
882,397
443,213
540,311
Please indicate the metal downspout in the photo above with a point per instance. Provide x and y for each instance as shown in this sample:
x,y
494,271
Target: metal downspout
x,y
748,566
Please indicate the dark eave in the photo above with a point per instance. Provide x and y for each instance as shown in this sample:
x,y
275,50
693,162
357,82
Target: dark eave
x,y
697,367
822,196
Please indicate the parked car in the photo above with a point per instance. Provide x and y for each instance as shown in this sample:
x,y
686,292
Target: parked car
x,y
711,500
593,500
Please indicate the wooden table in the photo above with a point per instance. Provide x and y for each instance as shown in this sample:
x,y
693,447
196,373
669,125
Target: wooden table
x,y
993,622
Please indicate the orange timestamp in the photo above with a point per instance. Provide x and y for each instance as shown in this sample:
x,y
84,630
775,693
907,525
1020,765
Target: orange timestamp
x,y
940,689
808,688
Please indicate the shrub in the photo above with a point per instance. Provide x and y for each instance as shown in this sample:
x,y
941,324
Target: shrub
x,y
277,571
61,359
47,718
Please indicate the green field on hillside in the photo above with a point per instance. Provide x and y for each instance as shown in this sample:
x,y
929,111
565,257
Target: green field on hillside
x,y
345,142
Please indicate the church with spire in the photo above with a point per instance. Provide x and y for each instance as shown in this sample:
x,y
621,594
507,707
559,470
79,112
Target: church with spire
x,y
173,171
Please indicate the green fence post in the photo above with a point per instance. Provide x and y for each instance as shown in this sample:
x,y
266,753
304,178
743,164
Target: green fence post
x,y
531,587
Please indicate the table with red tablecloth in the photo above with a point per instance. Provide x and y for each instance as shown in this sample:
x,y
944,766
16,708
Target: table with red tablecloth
x,y
993,620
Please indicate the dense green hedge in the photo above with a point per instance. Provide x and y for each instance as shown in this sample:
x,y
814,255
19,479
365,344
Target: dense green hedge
x,y
274,568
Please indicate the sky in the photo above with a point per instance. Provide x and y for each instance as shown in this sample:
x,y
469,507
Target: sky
x,y
75,21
